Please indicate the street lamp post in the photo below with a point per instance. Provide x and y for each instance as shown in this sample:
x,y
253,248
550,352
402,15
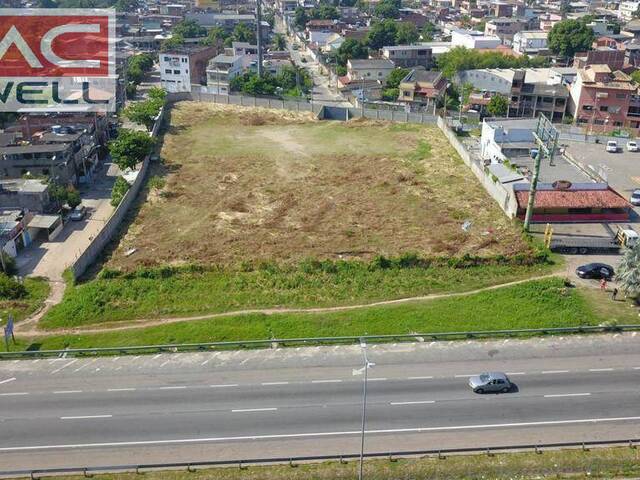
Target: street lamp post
x,y
367,365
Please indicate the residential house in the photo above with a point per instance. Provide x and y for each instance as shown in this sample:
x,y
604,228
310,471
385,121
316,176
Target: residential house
x,y
54,160
602,99
25,193
369,69
627,9
504,28
183,66
408,56
422,88
228,21
548,20
531,42
333,43
614,59
221,71
472,39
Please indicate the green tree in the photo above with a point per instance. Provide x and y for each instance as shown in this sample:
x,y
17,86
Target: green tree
x,y
126,5
498,106
428,31
216,36
628,276
635,76
460,58
279,42
396,76
243,33
406,34
176,41
130,148
145,112
387,9
569,37
73,197
382,34
130,90
351,48
157,93
10,288
189,29
390,94
300,17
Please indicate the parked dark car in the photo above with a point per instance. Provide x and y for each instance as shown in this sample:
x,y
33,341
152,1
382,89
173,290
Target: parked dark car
x,y
595,270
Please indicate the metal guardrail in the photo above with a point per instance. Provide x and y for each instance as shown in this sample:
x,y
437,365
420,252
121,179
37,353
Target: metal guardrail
x,y
243,463
276,342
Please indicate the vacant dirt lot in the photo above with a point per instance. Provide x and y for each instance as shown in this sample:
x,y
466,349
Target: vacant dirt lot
x,y
249,185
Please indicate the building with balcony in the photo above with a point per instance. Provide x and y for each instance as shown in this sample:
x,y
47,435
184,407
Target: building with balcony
x,y
221,70
532,42
604,99
422,88
504,28
408,56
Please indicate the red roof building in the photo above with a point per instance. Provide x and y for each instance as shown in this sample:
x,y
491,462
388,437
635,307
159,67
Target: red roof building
x,y
563,202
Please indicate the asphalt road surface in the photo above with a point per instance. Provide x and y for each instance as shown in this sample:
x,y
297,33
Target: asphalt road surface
x,y
262,403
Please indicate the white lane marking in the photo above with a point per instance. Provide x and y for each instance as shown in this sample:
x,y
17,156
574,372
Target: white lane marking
x,y
377,379
82,417
85,365
567,395
177,387
266,384
165,362
465,376
155,356
241,410
418,402
224,385
516,373
13,394
67,391
601,369
326,381
555,371
636,368
428,377
121,390
206,361
317,434
65,366
7,380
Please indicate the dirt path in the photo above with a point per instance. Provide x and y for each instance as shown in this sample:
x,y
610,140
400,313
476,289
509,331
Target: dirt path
x,y
29,327
56,292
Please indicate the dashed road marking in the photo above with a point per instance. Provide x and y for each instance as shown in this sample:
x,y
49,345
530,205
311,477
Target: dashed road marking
x,y
427,377
8,380
417,402
176,387
65,366
326,381
243,410
121,390
224,385
601,369
61,392
567,395
266,384
84,417
13,394
86,365
554,371
377,379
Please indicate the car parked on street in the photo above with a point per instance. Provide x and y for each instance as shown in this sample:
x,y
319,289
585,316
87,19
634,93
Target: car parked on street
x,y
612,146
78,213
635,198
632,146
596,271
490,382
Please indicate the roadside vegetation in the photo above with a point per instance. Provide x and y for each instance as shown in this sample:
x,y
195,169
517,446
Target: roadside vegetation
x,y
606,463
21,299
545,303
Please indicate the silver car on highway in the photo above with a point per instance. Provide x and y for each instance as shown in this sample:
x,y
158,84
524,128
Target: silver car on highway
x,y
490,382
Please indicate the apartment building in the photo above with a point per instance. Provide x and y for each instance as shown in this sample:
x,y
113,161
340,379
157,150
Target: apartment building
x,y
221,71
602,98
181,67
614,59
627,9
504,28
373,69
408,56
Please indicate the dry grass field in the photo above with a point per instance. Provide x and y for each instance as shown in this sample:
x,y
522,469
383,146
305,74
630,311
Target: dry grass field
x,y
251,185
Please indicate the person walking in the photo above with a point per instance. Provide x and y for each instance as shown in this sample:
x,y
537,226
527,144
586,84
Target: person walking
x,y
614,294
603,284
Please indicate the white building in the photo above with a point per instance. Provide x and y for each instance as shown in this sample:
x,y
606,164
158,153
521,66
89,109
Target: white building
x,y
174,72
473,40
221,70
530,42
627,9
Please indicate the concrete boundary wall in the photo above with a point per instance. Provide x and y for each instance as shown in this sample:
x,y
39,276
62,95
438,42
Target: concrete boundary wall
x,y
112,225
503,195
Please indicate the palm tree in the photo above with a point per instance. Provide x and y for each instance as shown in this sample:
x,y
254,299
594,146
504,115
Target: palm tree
x,y
628,276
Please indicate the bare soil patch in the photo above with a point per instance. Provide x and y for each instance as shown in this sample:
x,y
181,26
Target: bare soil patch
x,y
258,185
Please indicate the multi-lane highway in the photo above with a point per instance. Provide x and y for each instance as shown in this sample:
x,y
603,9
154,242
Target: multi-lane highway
x,y
181,407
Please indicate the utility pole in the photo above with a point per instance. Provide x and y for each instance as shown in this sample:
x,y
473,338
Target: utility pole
x,y
546,137
259,34
367,365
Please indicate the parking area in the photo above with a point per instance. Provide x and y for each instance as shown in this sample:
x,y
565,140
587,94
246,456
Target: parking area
x,y
50,258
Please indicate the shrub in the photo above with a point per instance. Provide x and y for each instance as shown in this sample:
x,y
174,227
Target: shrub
x,y
120,188
11,289
9,264
156,182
